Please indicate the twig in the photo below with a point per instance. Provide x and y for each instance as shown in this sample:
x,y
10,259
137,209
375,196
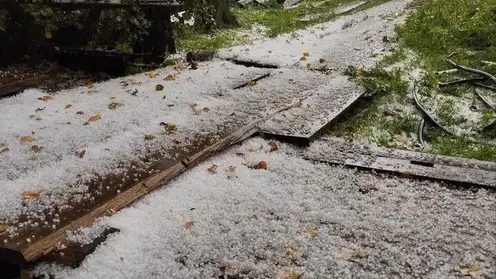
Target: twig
x,y
450,71
420,132
470,70
485,86
490,63
424,111
485,101
461,81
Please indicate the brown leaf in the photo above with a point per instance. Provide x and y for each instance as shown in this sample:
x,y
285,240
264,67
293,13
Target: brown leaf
x,y
212,169
294,275
47,98
273,146
169,78
261,165
303,58
291,254
89,84
31,194
153,75
79,113
95,117
27,139
36,148
86,123
322,60
354,256
3,228
4,149
306,54
114,106
149,137
251,83
81,153
188,224
68,106
195,109
169,128
310,233
159,87
474,270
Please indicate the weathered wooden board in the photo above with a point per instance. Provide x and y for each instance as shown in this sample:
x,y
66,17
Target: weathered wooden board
x,y
307,118
20,85
49,243
415,164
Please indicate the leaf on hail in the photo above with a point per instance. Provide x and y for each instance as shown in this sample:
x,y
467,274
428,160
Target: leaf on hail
x,y
473,270
195,109
48,35
31,194
308,66
353,256
3,228
310,233
261,165
273,146
170,78
114,106
169,128
79,113
294,275
95,117
68,106
149,137
36,148
251,83
153,75
212,169
3,149
47,98
89,84
80,154
303,58
188,224
27,139
231,172
306,54
291,254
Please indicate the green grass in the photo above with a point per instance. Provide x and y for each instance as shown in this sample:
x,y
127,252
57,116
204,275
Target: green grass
x,y
273,17
438,28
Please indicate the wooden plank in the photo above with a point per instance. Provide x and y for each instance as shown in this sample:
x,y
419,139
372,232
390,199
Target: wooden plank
x,y
49,243
408,163
304,121
21,85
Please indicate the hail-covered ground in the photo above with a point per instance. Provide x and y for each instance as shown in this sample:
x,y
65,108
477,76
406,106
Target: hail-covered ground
x,y
295,219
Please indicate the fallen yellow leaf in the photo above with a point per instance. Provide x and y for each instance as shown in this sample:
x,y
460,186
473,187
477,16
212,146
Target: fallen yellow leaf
x,y
169,78
95,117
169,128
89,84
308,66
195,109
306,54
294,275
114,106
27,139
153,75
474,270
252,83
68,106
291,254
310,233
4,149
303,58
188,224
149,137
3,228
47,98
48,35
31,194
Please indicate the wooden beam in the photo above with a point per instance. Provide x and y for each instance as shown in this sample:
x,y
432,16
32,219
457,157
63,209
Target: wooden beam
x,y
21,85
49,243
